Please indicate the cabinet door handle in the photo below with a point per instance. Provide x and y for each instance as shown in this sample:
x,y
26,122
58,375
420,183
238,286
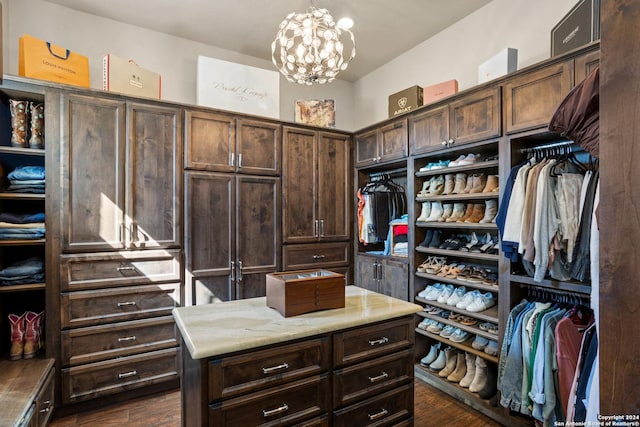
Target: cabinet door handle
x,y
125,339
316,228
126,303
276,411
380,272
380,414
239,270
380,377
232,159
123,267
318,257
275,368
322,228
379,341
233,271
240,160
375,271
122,375
378,159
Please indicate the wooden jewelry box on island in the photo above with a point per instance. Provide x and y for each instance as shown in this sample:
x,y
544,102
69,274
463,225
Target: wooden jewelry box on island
x,y
297,292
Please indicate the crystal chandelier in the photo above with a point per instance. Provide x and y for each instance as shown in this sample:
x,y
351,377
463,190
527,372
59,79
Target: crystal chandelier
x,y
309,47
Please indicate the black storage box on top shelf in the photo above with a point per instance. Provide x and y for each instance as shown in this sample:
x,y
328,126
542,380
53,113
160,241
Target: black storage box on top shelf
x,y
578,28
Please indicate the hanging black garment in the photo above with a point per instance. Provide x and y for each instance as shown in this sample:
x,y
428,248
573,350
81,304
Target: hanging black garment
x,y
389,202
582,252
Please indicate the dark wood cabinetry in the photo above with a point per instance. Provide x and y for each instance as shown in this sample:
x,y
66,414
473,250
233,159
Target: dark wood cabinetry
x,y
382,144
385,275
120,163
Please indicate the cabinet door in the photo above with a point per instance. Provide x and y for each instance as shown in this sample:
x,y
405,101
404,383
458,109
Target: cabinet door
x,y
209,220
367,271
476,117
394,281
258,147
257,235
334,186
155,147
429,130
210,140
393,141
299,186
585,64
367,148
531,100
92,163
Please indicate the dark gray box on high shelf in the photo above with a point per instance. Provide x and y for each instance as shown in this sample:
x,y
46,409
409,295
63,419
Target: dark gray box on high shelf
x,y
579,27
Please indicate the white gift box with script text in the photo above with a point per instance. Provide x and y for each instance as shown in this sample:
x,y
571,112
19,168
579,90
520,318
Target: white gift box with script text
x,y
236,87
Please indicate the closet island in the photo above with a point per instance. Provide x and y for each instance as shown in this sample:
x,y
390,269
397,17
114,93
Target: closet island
x,y
246,364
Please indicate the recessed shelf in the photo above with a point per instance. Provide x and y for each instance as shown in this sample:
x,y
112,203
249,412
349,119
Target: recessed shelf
x,y
470,329
21,288
21,196
492,164
457,254
458,197
576,287
458,225
25,242
488,315
22,151
465,345
436,278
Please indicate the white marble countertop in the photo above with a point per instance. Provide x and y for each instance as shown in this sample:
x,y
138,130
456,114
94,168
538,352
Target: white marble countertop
x,y
220,328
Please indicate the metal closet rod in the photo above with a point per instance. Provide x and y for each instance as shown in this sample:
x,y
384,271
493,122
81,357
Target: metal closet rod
x,y
389,173
553,294
547,146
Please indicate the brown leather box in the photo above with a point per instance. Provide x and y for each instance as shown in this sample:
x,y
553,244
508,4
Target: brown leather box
x,y
405,101
303,291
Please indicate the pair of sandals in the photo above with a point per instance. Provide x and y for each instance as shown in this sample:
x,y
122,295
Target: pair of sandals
x,y
492,328
478,275
462,319
432,265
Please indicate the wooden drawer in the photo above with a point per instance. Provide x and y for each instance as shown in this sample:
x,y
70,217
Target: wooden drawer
x,y
89,308
85,345
322,421
257,370
387,409
369,378
284,405
105,378
101,270
307,256
366,342
45,400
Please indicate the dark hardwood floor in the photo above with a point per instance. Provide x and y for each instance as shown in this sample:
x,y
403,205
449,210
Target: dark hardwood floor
x,y
432,408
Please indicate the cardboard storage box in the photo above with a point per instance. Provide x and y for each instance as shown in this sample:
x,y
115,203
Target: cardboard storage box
x,y
438,91
505,62
579,27
126,77
405,101
303,291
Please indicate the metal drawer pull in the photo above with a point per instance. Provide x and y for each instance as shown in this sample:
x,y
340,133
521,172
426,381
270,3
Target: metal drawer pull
x,y
380,414
318,257
124,339
48,408
382,340
124,304
276,411
127,374
382,376
275,368
126,268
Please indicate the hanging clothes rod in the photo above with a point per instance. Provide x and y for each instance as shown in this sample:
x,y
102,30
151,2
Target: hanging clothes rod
x,y
558,144
556,295
389,173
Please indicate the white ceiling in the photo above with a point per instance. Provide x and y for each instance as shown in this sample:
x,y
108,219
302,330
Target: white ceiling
x,y
383,29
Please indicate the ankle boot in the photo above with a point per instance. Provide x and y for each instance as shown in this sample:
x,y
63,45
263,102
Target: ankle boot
x,y
492,184
490,386
449,183
447,210
431,356
490,211
425,212
18,122
436,239
32,334
467,213
427,238
460,371
479,182
36,140
477,214
460,183
452,358
469,185
458,212
471,371
436,211
424,192
440,362
480,377
17,336
437,186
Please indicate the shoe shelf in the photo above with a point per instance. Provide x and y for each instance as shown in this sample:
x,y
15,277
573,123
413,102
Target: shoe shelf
x,y
458,197
464,345
492,164
457,254
575,287
22,242
22,151
499,414
458,225
21,288
470,329
488,315
440,279
21,196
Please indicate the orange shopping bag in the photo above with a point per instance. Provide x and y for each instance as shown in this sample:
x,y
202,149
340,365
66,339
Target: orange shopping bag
x,y
42,60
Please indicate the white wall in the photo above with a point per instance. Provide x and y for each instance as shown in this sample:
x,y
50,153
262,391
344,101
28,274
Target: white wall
x,y
173,57
456,52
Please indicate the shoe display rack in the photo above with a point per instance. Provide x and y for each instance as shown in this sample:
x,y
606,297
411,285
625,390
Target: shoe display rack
x,y
456,270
